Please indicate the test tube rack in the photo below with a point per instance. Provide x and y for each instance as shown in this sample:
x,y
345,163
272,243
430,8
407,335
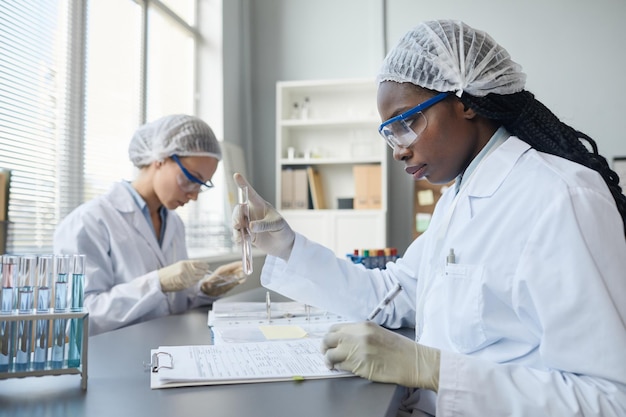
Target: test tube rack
x,y
51,316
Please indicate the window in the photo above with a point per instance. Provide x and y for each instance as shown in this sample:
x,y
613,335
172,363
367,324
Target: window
x,y
76,79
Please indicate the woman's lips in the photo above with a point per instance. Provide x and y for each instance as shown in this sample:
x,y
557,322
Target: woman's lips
x,y
417,171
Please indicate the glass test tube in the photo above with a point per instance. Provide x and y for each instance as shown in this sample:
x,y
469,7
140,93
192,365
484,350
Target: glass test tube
x,y
44,281
25,304
246,239
61,270
7,305
76,305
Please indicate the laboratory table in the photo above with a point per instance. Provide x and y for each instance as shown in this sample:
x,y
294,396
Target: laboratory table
x,y
119,385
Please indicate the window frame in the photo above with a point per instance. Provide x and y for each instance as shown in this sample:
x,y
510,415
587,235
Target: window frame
x,y
72,151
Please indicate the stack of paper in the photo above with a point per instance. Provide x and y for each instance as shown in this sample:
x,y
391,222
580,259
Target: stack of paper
x,y
237,322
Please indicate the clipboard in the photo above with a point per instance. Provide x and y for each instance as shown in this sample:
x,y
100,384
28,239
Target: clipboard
x,y
160,360
239,363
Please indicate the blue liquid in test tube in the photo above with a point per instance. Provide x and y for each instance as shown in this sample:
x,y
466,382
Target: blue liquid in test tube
x,y
7,305
44,279
25,303
76,325
62,266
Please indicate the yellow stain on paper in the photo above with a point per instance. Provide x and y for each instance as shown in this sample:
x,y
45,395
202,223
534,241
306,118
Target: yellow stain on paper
x,y
283,332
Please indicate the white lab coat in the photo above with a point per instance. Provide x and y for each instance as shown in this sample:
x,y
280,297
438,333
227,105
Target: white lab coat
x,y
123,256
530,319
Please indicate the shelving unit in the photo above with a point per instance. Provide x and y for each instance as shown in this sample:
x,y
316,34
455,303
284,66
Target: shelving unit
x,y
337,132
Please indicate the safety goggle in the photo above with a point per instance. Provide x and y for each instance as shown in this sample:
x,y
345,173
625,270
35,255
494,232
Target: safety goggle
x,y
189,183
404,129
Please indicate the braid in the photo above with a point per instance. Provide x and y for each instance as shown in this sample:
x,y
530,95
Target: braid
x,y
528,119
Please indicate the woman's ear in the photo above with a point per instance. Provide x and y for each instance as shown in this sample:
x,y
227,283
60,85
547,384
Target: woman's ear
x,y
468,112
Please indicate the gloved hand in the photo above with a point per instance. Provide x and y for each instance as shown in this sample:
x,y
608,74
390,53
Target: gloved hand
x,y
268,229
223,279
182,274
373,352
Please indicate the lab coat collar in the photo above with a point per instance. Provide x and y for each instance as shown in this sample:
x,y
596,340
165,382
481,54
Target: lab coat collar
x,y
122,200
496,167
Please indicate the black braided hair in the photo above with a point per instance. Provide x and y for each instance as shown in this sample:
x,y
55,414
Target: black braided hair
x,y
528,119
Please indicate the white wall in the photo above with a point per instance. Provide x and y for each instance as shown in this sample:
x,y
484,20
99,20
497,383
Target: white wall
x,y
571,51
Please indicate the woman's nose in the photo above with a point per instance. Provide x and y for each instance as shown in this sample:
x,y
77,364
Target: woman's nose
x,y
193,195
401,153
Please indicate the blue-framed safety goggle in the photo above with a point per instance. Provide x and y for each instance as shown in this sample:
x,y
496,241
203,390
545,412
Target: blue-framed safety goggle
x,y
193,184
397,131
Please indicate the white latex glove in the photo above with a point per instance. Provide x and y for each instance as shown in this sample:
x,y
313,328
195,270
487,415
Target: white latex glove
x,y
373,352
182,274
268,229
223,279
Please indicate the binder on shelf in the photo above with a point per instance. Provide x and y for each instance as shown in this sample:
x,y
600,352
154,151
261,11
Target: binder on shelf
x,y
294,189
286,200
375,187
317,192
367,187
300,189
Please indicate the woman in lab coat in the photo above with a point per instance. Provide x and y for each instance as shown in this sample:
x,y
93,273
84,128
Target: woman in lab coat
x,y
137,263
517,290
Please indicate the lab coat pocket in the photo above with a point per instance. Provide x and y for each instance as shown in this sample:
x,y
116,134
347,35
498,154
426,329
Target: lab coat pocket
x,y
463,286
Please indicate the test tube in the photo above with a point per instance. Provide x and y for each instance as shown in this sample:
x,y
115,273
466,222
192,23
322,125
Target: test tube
x,y
25,304
367,261
76,305
7,305
246,239
61,270
44,279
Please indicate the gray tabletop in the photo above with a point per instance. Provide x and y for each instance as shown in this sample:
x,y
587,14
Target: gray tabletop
x,y
119,386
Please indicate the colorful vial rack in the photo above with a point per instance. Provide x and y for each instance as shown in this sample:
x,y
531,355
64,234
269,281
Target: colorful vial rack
x,y
373,258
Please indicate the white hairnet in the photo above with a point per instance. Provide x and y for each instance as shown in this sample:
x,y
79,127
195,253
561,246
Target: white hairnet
x,y
448,55
177,134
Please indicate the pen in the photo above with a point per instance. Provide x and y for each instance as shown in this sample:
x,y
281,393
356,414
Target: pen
x,y
385,301
451,258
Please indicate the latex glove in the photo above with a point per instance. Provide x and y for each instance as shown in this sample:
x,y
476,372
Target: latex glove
x,y
268,229
223,279
182,274
373,352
